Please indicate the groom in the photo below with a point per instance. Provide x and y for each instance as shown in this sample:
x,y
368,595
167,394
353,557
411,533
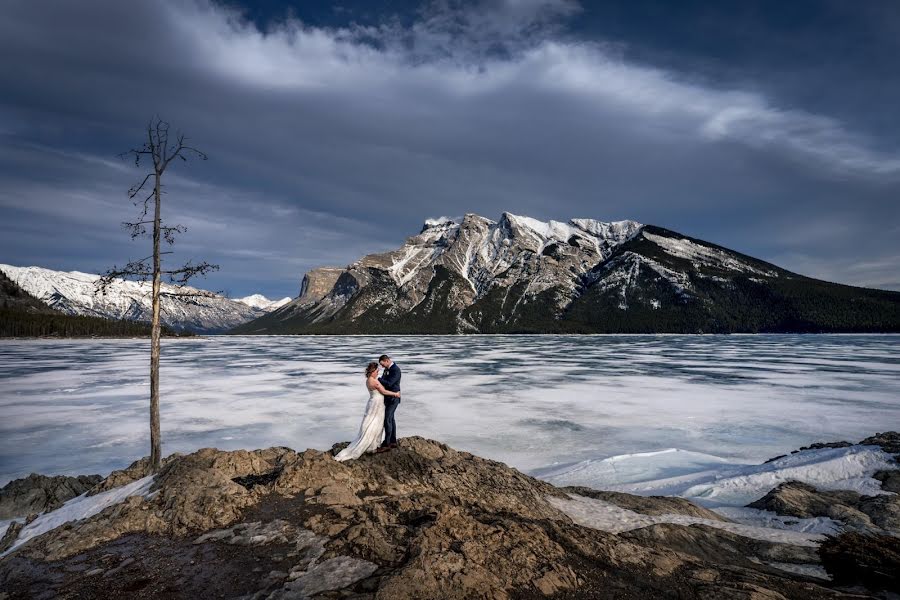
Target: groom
x,y
390,379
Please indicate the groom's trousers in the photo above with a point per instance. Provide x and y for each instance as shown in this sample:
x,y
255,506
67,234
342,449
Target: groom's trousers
x,y
390,426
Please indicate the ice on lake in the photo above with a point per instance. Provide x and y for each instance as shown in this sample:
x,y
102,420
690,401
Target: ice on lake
x,y
554,406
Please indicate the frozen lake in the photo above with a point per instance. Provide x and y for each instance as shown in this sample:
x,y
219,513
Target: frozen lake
x,y
538,403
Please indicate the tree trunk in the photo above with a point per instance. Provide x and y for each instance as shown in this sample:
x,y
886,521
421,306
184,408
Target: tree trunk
x,y
155,444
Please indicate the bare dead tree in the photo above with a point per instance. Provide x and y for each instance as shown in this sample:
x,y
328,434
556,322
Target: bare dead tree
x,y
159,150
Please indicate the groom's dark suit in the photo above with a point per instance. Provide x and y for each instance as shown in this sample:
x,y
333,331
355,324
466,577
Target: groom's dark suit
x,y
390,379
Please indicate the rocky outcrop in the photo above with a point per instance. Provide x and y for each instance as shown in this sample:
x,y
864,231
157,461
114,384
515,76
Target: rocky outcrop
x,y
866,514
648,505
874,515
890,480
716,545
889,441
316,283
39,493
423,521
9,536
871,561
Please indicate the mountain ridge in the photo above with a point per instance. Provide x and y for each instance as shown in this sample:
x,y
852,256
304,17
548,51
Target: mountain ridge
x,y
73,293
23,315
521,275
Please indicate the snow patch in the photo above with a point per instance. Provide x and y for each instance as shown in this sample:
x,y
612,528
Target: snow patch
x,y
703,255
439,222
717,482
828,468
767,518
598,514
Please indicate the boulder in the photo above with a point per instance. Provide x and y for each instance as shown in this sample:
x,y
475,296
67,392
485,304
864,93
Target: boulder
x,y
889,441
40,493
866,514
871,561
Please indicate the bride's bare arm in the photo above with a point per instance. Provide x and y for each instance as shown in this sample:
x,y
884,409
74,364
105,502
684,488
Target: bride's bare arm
x,y
377,386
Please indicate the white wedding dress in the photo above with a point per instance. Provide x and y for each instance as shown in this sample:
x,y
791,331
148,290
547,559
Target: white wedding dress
x,y
371,430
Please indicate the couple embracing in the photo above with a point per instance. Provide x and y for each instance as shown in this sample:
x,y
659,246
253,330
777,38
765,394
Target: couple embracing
x,y
378,431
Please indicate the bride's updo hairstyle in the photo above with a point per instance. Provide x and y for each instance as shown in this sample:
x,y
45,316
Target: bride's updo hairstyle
x,y
372,367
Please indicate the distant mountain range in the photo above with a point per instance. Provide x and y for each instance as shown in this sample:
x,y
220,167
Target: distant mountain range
x,y
73,293
23,315
521,275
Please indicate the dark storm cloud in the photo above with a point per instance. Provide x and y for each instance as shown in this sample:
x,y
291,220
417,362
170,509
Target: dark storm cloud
x,y
329,142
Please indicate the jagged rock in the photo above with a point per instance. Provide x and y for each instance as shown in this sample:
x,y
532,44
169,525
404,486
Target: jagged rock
x,y
872,561
10,535
648,505
868,514
333,574
40,493
890,480
889,441
713,545
821,445
318,282
422,521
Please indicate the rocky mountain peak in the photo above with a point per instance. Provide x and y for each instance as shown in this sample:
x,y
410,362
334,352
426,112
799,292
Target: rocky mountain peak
x,y
439,224
521,274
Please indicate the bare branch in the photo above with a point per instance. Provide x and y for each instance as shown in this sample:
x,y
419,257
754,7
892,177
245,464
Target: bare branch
x,y
184,274
194,294
135,229
181,149
134,190
169,232
135,268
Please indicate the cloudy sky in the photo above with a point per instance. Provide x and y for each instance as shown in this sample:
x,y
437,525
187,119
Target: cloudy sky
x,y
334,129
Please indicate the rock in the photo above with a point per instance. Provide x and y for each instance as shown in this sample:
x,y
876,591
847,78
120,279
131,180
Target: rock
x,y
889,441
252,534
40,493
10,535
820,446
422,521
867,514
332,574
890,480
714,545
137,470
648,505
872,561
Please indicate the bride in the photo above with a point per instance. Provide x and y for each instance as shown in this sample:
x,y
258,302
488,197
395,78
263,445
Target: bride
x,y
371,430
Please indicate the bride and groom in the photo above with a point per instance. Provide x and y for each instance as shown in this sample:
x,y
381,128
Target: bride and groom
x,y
378,430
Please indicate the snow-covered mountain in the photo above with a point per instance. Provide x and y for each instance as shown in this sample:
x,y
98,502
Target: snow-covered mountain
x,y
75,293
519,274
261,302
